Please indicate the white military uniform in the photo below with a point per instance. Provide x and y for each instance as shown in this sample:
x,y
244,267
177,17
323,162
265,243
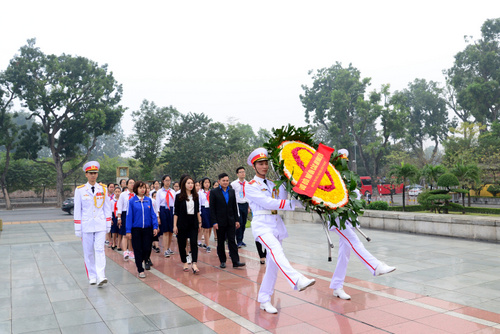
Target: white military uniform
x,y
268,229
92,215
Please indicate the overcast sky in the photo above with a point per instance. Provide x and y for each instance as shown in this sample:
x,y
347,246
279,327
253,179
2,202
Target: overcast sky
x,y
245,60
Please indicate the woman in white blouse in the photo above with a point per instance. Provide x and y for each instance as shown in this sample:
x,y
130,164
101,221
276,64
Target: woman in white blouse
x,y
187,221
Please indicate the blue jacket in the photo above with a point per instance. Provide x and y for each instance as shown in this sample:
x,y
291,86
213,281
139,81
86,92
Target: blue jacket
x,y
141,214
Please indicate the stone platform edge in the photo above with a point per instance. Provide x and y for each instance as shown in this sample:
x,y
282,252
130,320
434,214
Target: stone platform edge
x,y
451,225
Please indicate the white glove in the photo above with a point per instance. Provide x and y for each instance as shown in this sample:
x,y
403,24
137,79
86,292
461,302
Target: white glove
x,y
78,233
298,204
108,229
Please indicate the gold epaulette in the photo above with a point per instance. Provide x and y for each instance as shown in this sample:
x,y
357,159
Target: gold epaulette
x,y
83,185
102,184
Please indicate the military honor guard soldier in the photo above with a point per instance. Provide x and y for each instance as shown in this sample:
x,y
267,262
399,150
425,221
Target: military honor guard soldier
x,y
268,229
349,242
92,215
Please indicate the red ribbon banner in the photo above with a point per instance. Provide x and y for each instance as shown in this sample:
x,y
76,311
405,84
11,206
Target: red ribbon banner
x,y
314,171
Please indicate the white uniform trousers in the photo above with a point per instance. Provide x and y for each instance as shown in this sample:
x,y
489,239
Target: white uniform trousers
x,y
276,260
93,252
348,240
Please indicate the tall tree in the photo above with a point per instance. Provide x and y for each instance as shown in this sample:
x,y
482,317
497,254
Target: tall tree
x,y
335,104
404,172
475,76
152,125
432,173
8,134
469,177
427,116
194,143
74,100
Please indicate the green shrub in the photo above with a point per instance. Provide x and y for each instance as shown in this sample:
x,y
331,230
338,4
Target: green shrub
x,y
378,205
408,208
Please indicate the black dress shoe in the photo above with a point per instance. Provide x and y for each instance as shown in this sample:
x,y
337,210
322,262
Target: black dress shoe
x,y
147,266
238,264
150,262
223,265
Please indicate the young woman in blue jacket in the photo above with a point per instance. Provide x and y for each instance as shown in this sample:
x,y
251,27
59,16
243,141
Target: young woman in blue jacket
x,y
142,225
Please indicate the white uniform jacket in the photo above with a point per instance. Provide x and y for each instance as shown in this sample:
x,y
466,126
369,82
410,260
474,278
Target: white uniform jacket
x,y
92,212
263,199
240,190
123,201
203,196
161,198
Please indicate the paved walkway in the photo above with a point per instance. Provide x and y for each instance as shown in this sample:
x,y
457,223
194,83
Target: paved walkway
x,y
441,285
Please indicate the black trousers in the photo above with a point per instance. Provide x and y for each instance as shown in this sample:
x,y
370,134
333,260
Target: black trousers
x,y
222,233
262,253
240,233
141,242
188,229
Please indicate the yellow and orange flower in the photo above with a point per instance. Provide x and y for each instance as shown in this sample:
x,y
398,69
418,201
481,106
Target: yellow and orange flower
x,y
331,191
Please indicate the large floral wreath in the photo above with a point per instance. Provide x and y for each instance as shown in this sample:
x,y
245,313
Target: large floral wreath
x,y
290,149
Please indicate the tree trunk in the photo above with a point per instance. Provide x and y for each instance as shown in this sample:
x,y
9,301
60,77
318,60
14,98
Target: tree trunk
x,y
5,191
8,204
404,190
59,181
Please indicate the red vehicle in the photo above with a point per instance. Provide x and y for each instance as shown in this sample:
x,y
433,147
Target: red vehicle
x,y
385,188
366,185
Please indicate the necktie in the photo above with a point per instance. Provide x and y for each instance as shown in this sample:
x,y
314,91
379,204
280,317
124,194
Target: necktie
x,y
265,181
116,207
130,195
92,189
169,194
243,186
207,193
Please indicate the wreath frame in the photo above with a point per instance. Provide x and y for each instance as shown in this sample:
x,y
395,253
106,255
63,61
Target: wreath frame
x,y
350,211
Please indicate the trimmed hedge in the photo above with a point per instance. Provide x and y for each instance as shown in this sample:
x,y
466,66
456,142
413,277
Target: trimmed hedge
x,y
378,205
414,208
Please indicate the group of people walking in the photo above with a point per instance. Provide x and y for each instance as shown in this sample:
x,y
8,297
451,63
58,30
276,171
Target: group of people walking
x,y
138,215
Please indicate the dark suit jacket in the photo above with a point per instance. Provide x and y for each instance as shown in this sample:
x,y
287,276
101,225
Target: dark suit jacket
x,y
223,213
180,210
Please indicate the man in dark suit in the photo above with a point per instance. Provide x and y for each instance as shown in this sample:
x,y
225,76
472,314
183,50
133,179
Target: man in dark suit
x,y
224,216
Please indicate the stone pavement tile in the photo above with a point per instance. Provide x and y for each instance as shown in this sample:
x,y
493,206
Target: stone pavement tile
x,y
341,324
28,300
271,321
406,311
172,319
31,281
450,324
81,317
5,327
97,328
154,305
491,305
71,305
32,310
118,311
227,326
204,313
5,314
307,312
32,324
299,328
453,283
413,327
481,314
376,317
460,297
131,325
198,329
57,296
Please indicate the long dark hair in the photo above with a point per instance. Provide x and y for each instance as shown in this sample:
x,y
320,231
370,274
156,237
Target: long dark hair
x,y
203,182
183,196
